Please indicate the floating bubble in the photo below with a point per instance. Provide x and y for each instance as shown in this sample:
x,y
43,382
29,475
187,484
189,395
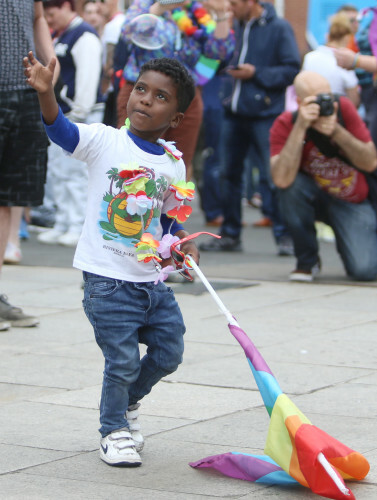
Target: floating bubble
x,y
147,32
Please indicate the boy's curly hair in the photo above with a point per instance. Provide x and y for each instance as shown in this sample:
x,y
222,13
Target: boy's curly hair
x,y
178,73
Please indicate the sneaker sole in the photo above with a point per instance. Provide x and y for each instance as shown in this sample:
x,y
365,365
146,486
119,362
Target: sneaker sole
x,y
8,260
4,326
139,446
70,245
301,278
124,463
24,323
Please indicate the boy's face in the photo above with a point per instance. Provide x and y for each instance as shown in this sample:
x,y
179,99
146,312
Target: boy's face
x,y
152,106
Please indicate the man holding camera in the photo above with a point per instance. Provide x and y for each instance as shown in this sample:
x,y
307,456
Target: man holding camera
x,y
319,162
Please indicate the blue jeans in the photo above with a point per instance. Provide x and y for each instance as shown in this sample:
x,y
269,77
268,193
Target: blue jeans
x,y
122,315
354,225
211,190
239,132
369,99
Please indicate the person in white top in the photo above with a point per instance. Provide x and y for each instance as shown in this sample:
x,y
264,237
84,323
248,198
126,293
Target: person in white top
x,y
323,61
135,181
78,48
114,21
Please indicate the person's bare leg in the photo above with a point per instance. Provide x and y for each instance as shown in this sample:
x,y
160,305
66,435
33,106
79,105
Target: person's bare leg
x,y
13,253
15,221
5,215
4,235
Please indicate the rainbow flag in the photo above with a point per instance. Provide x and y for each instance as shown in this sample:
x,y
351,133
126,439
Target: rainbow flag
x,y
296,451
205,69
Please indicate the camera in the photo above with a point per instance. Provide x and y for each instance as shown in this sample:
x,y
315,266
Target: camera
x,y
326,104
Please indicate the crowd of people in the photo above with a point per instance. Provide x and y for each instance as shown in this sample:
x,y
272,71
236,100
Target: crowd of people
x,y
122,96
242,82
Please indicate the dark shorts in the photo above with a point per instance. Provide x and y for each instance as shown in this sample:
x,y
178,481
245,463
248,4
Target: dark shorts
x,y
23,149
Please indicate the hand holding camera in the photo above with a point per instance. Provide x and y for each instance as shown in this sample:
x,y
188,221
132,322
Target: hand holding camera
x,y
326,104
320,113
327,120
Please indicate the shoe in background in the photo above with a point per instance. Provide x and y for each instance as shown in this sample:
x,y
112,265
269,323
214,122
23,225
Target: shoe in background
x,y
50,237
263,222
13,254
14,315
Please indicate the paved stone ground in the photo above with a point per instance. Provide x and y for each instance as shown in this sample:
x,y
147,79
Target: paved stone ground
x,y
319,340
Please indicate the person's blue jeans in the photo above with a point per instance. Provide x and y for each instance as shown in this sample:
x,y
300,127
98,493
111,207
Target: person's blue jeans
x,y
124,314
354,225
369,100
239,132
211,190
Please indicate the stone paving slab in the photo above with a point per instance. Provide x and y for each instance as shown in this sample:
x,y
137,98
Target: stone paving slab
x,y
353,346
250,427
294,378
338,401
362,491
31,486
176,399
59,372
50,427
162,470
13,458
18,392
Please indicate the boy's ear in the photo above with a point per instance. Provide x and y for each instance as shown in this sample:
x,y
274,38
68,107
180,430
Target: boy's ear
x,y
176,120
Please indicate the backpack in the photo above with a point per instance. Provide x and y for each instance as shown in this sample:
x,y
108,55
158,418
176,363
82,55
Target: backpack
x,y
329,149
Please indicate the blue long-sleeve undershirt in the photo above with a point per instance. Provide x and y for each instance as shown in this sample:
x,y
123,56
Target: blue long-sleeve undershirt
x,y
66,135
166,222
63,132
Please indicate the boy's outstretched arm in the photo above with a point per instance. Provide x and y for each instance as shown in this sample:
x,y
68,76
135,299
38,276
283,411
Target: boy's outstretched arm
x,y
40,78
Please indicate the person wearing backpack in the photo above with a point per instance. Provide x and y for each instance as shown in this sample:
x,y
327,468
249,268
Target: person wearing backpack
x,y
322,164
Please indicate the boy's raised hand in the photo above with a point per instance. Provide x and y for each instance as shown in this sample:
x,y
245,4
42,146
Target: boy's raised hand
x,y
38,76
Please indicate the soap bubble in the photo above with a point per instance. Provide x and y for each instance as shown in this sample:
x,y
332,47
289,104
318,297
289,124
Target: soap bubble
x,y
147,32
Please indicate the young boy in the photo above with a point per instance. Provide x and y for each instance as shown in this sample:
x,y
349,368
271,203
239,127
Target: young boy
x,y
128,194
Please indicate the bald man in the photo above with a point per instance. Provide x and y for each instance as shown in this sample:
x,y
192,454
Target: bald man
x,y
330,186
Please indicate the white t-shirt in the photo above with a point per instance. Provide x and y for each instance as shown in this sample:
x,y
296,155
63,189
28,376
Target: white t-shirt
x,y
322,61
111,32
110,36
106,245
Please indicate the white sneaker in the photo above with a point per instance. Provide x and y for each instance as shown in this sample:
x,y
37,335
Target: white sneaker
x,y
50,237
69,239
118,448
132,415
324,232
4,325
305,276
12,254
